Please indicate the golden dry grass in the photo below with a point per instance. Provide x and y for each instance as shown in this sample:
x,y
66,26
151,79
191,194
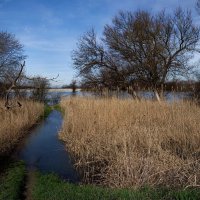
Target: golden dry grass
x,y
15,122
125,143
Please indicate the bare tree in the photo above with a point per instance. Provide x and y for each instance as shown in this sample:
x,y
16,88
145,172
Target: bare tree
x,y
196,93
156,46
13,84
40,86
97,66
73,85
88,58
138,47
198,6
11,57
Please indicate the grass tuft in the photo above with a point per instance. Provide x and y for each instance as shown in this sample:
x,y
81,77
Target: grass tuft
x,y
58,108
47,110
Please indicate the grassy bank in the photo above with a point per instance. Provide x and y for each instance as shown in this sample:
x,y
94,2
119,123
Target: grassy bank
x,y
12,182
50,187
130,144
16,121
15,184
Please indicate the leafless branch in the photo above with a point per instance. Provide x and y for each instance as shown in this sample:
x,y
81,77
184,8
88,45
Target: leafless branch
x,y
138,47
13,84
48,79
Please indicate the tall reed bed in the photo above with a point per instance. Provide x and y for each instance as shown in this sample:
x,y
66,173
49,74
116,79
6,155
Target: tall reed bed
x,y
15,122
127,143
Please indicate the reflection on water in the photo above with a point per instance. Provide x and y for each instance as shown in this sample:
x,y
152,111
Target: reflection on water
x,y
168,96
55,96
43,150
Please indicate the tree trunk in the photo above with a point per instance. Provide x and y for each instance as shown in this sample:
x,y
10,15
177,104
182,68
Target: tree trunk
x,y
157,96
133,93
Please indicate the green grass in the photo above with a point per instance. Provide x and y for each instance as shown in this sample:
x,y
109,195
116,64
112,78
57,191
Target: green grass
x,y
47,110
12,181
50,187
58,108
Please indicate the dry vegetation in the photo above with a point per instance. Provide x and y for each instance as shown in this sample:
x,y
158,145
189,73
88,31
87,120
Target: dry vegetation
x,y
15,122
125,143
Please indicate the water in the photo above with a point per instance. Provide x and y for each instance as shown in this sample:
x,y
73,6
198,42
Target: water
x,y
148,95
42,150
54,95
168,96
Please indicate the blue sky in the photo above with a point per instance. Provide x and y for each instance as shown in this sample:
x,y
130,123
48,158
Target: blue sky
x,y
49,29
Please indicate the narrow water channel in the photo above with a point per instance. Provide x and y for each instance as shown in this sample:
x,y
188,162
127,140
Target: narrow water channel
x,y
42,150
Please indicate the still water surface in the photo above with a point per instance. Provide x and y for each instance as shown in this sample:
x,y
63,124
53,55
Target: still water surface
x,y
42,150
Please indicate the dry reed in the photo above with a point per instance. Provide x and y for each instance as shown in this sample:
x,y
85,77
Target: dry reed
x,y
127,143
15,122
